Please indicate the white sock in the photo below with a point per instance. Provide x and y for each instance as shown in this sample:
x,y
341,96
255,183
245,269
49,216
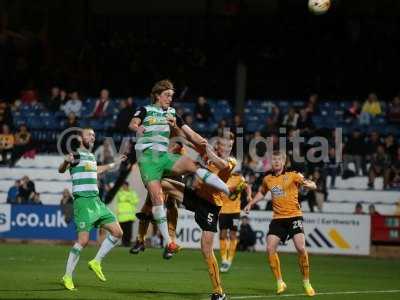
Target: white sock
x,y
73,259
108,243
212,180
160,216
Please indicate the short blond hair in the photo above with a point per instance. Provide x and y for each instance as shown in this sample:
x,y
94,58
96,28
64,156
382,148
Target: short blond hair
x,y
280,153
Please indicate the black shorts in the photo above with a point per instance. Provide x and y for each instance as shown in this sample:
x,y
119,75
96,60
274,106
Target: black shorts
x,y
286,228
229,221
205,213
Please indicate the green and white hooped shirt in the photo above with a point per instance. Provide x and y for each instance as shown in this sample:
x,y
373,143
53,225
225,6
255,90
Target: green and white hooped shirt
x,y
84,174
157,132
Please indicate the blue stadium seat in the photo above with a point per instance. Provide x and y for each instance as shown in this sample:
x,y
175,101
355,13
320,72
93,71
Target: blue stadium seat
x,y
141,101
253,126
109,123
97,124
298,103
84,122
252,118
59,114
345,104
200,127
35,123
19,120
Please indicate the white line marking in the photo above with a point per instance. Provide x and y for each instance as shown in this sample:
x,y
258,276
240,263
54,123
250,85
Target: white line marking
x,y
317,294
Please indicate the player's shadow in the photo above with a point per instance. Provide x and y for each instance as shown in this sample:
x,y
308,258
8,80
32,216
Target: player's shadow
x,y
257,291
182,295
34,290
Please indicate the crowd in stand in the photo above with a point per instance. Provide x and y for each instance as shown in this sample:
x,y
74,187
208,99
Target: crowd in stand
x,y
372,154
23,192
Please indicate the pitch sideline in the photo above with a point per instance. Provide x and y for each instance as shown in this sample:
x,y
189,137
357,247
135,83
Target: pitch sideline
x,y
318,294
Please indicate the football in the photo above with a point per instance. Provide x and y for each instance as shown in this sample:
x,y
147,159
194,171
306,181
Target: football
x,y
319,7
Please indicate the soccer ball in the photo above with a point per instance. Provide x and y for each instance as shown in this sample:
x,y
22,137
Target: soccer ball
x,y
319,7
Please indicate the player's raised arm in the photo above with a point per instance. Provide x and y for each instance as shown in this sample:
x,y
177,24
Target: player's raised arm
x,y
182,129
219,162
108,167
306,183
68,159
249,193
192,135
137,120
309,184
262,191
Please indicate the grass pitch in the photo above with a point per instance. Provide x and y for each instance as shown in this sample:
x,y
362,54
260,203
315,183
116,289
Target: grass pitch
x,y
34,271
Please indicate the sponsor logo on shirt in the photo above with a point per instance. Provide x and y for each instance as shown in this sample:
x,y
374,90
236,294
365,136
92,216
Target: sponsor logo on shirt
x,y
277,191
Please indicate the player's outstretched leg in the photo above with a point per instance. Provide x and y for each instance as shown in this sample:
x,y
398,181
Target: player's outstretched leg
x,y
274,263
186,165
113,239
223,249
160,217
73,258
304,264
172,220
207,239
139,246
144,216
232,247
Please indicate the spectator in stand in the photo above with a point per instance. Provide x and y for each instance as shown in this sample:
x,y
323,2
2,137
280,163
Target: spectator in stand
x,y
394,110
35,200
72,120
105,153
320,193
26,190
394,171
358,210
255,165
371,108
66,204
312,104
372,210
374,140
7,142
23,143
247,236
270,127
131,103
305,122
63,97
53,102
202,110
353,113
188,119
13,193
5,114
125,115
353,151
309,196
29,96
291,118
127,200
380,164
237,125
332,167
390,146
101,105
275,115
73,105
222,126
